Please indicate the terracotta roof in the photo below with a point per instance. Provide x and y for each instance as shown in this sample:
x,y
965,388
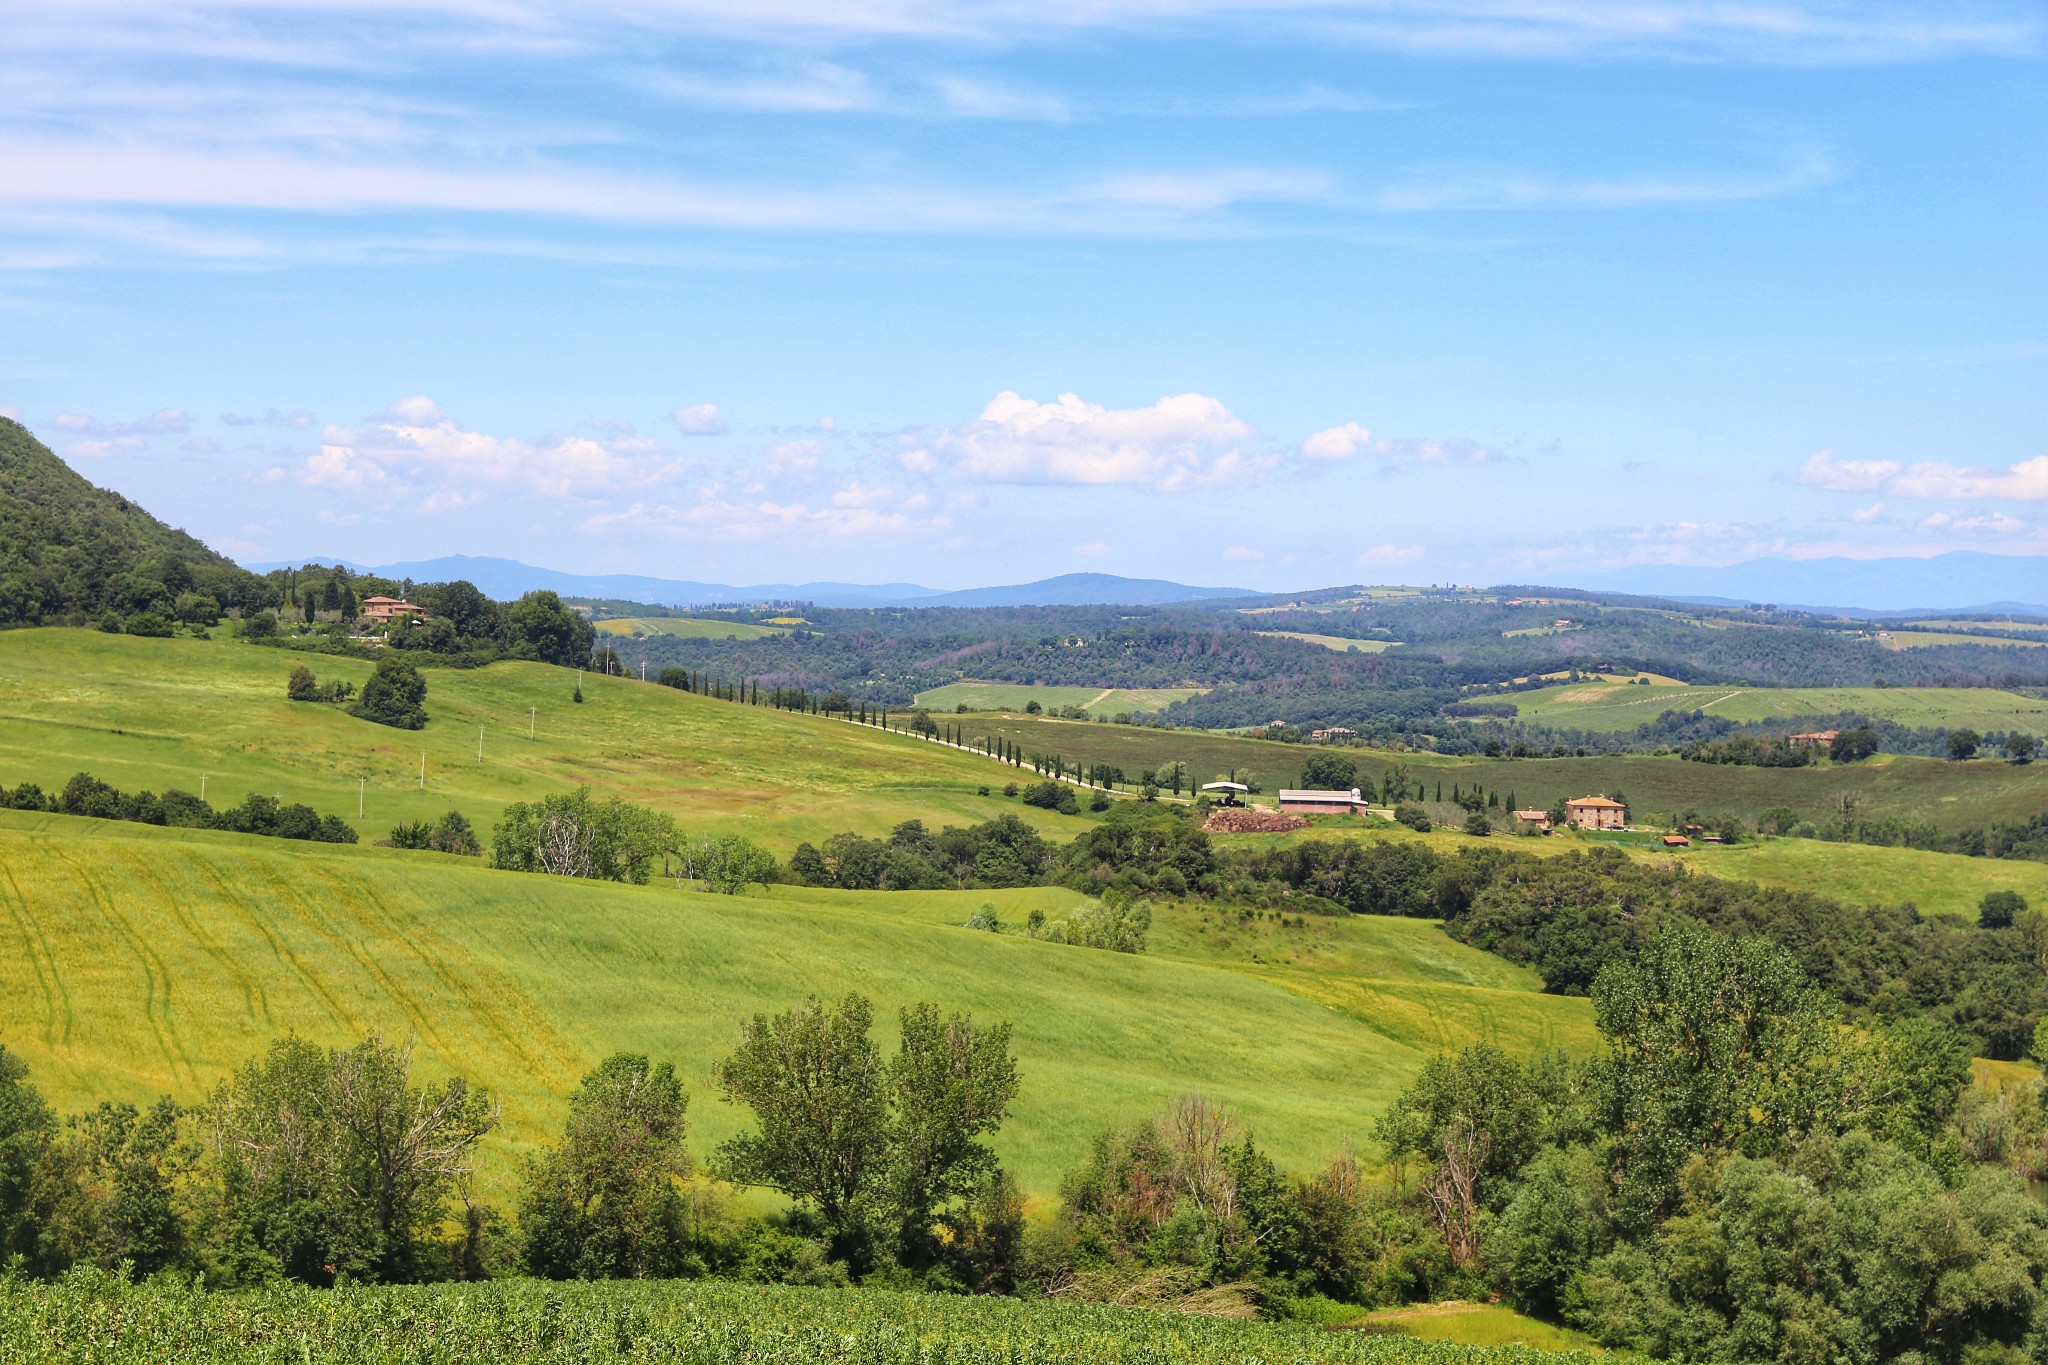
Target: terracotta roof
x,y
1597,802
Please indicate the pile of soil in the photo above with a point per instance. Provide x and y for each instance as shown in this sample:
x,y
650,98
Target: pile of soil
x,y
1239,820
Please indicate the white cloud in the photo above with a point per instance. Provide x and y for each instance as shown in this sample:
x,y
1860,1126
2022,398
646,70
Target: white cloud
x,y
12,414
1177,442
1386,556
1823,470
1242,553
96,450
699,419
814,88
1977,524
1936,480
162,422
1090,549
980,99
414,445
298,419
2026,481
1868,514
1336,443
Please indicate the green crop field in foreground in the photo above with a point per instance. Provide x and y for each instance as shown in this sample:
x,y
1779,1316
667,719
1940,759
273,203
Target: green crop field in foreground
x,y
166,713
1621,706
686,628
1096,701
106,1321
144,961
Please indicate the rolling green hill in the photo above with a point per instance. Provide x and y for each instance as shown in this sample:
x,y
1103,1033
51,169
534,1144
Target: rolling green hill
x,y
169,713
145,960
1620,706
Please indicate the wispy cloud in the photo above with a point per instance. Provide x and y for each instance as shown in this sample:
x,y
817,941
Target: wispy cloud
x,y
813,88
162,422
1773,31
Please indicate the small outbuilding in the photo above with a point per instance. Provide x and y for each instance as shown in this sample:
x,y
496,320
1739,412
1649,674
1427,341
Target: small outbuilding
x,y
1539,818
1304,801
1596,812
1677,841
1231,793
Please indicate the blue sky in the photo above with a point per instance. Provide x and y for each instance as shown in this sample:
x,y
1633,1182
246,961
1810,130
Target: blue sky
x,y
1274,292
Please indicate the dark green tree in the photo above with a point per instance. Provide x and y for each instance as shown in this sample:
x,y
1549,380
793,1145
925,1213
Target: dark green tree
x,y
394,695
1999,909
1962,743
602,1204
1328,771
818,1092
1713,1044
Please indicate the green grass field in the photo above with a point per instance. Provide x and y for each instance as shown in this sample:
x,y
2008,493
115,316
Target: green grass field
x,y
1096,701
146,961
1607,707
166,713
686,628
1480,1324
1339,643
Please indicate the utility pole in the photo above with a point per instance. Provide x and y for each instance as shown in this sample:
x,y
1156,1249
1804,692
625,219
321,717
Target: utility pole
x,y
479,743
531,713
362,785
423,770
202,786
643,670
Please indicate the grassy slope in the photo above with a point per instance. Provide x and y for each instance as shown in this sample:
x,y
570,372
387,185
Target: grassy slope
x,y
1097,701
1608,707
150,960
686,628
159,713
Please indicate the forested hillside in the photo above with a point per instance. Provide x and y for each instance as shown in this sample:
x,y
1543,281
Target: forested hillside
x,y
68,547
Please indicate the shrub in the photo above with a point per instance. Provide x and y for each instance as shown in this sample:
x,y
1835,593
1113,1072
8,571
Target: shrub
x,y
1415,817
1100,801
151,625
302,685
393,695
1052,795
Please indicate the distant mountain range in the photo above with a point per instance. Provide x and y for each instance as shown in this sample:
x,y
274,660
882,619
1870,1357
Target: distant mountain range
x,y
1962,581
507,578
